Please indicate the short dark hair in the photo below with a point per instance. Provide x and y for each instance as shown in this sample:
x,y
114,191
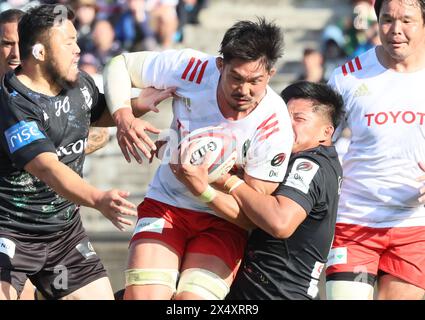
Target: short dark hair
x,y
11,15
378,6
323,96
34,25
250,41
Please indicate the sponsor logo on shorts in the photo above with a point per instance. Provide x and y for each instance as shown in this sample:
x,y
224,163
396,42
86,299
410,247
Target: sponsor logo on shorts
x,y
149,225
7,247
21,134
86,249
337,256
278,159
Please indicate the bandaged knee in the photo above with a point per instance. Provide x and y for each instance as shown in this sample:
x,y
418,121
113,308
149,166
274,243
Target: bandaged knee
x,y
205,284
140,277
348,290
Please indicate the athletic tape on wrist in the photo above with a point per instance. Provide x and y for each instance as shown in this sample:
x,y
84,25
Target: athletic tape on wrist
x,y
208,195
235,185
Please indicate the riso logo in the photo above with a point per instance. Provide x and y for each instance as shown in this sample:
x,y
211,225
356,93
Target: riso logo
x,y
21,134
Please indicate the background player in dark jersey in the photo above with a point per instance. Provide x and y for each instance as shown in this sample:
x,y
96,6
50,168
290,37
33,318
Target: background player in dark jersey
x,y
46,108
286,253
9,60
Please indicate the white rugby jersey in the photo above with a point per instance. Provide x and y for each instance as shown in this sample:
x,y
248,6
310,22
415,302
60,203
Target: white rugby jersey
x,y
386,115
264,137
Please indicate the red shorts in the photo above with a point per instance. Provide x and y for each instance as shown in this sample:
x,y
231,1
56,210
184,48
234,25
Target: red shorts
x,y
189,231
396,251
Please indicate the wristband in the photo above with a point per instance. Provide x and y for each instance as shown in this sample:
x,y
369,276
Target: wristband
x,y
237,184
208,195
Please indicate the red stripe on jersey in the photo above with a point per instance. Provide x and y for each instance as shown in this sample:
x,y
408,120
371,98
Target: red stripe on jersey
x,y
201,73
193,74
269,126
351,66
358,64
266,121
268,134
344,70
189,66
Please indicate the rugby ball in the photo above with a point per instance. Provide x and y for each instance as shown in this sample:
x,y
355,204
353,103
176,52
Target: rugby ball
x,y
218,141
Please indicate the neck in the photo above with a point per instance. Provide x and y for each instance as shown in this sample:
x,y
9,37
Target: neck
x,y
36,79
412,63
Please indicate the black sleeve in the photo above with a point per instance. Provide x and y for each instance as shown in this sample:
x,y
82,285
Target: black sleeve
x,y
305,184
23,134
99,101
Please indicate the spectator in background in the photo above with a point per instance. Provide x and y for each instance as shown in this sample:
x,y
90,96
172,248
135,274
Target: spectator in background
x,y
164,20
372,40
105,47
133,28
85,12
313,66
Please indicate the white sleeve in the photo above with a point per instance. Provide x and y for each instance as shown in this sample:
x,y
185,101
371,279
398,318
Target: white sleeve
x,y
268,155
121,74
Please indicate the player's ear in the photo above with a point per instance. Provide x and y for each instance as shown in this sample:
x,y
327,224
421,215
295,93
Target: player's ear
x,y
272,72
328,131
219,62
38,51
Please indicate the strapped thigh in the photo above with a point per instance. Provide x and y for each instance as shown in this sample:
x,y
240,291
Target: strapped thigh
x,y
203,283
140,277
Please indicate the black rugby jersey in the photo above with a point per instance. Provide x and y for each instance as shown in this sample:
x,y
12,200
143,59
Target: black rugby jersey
x,y
290,268
32,123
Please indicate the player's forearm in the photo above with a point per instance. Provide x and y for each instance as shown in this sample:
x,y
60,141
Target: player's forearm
x,y
261,209
63,180
98,138
226,207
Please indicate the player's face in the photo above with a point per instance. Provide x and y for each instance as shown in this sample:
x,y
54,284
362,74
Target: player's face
x,y
63,54
242,84
9,47
402,29
309,126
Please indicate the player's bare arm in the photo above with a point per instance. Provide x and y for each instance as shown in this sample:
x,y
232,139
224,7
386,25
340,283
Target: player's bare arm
x,y
98,138
121,74
63,180
277,215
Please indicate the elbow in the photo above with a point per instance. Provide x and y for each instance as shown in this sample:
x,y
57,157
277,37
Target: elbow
x,y
281,230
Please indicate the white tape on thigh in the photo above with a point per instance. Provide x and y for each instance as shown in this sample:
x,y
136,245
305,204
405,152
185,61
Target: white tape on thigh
x,y
139,277
203,283
348,290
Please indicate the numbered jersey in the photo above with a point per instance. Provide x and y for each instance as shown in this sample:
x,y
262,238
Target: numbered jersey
x,y
32,123
264,137
386,115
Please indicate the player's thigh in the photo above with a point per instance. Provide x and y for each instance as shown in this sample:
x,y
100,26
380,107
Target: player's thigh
x,y
353,261
211,261
393,288
204,277
100,289
152,270
28,293
7,292
403,265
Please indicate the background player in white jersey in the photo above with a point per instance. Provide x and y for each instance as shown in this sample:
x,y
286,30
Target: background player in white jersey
x,y
380,232
177,231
